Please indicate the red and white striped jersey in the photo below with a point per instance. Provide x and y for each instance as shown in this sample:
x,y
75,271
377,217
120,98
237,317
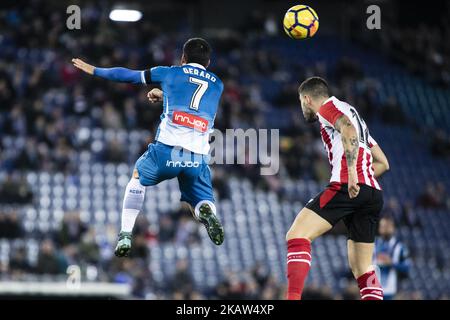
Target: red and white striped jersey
x,y
328,113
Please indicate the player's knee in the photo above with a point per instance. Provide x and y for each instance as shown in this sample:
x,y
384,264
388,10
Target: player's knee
x,y
297,231
301,228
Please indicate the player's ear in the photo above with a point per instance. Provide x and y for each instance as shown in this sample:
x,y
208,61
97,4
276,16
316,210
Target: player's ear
x,y
207,65
307,99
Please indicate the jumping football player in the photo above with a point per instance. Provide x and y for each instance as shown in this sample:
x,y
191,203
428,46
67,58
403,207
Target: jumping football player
x,y
190,95
353,194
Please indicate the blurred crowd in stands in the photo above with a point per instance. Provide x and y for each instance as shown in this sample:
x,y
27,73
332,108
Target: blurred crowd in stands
x,y
417,41
423,50
44,101
77,243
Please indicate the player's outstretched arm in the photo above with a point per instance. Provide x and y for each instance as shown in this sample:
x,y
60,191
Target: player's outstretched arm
x,y
380,161
350,142
118,74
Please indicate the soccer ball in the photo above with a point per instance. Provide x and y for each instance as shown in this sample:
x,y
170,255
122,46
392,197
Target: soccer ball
x,y
301,22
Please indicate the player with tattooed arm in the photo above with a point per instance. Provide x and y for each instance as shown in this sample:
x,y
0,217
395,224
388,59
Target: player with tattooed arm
x,y
353,194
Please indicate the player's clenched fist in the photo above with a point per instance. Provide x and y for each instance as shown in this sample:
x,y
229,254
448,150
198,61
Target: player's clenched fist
x,y
353,187
80,64
155,95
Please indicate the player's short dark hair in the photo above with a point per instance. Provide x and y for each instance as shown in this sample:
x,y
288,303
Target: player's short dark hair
x,y
314,86
197,50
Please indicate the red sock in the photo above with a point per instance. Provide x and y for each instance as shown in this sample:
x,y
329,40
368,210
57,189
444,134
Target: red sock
x,y
370,288
298,264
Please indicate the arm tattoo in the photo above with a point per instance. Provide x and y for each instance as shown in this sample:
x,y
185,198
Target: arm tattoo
x,y
349,139
342,122
352,153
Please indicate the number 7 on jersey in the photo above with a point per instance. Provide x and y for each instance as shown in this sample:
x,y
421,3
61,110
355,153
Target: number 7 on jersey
x,y
202,86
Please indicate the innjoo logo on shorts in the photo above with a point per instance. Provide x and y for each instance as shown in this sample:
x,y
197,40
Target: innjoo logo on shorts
x,y
182,164
190,121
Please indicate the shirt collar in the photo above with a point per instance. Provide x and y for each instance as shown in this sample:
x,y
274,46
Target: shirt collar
x,y
328,100
325,102
197,65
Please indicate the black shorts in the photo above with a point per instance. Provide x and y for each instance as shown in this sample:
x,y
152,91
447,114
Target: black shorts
x,y
360,215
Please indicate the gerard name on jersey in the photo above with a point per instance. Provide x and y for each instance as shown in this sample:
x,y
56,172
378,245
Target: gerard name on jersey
x,y
200,73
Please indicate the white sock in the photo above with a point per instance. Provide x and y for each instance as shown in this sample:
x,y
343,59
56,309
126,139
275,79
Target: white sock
x,y
132,204
128,219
